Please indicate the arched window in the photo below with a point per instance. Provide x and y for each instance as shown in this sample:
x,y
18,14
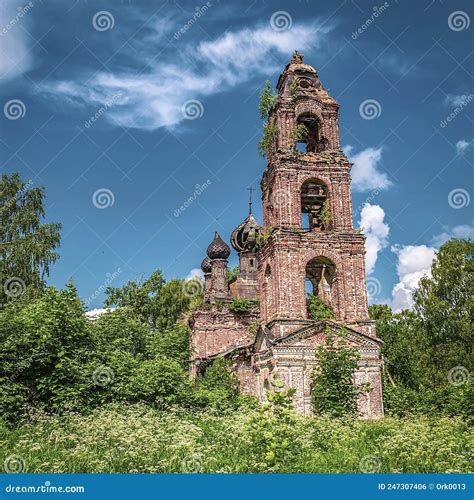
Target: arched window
x,y
319,277
309,138
314,205
267,291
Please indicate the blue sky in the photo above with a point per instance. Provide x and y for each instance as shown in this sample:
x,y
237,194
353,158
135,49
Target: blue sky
x,y
120,109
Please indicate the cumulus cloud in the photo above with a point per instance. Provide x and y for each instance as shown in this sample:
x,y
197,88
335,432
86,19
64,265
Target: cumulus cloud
x,y
195,273
414,262
15,58
463,231
365,171
154,98
96,313
462,145
376,232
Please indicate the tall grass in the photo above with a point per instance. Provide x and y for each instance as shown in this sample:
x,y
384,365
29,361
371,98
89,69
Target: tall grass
x,y
139,439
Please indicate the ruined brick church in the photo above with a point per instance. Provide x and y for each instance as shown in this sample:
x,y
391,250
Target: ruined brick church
x,y
307,245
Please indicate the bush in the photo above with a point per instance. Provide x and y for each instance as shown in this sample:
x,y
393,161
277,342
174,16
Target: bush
x,y
317,309
241,305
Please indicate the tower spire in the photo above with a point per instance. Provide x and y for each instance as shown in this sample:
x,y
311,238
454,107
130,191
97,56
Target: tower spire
x,y
250,189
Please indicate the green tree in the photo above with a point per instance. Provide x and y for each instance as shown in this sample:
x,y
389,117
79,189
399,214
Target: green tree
x,y
45,353
333,391
155,302
27,246
267,100
140,297
445,304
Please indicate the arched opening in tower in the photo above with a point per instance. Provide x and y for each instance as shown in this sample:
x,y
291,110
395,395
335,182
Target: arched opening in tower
x,y
311,141
319,278
268,291
314,205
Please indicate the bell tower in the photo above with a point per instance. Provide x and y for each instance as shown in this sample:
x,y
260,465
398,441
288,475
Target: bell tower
x,y
308,243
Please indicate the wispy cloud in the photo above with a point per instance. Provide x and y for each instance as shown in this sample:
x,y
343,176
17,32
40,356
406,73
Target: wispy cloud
x,y
155,97
456,99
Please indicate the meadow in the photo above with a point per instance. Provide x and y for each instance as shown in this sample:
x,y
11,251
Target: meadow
x,y
137,439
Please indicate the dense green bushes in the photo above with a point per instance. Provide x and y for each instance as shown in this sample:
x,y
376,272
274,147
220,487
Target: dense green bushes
x,y
137,438
53,359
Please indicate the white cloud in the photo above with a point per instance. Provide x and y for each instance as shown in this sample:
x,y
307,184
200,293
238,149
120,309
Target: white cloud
x,y
365,173
15,58
462,145
195,273
376,232
457,99
96,313
414,262
463,231
154,98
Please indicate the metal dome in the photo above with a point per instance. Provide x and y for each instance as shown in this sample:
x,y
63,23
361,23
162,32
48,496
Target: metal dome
x,y
206,265
244,236
218,249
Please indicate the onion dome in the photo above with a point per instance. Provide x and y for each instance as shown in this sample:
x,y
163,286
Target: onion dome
x,y
244,237
206,265
218,249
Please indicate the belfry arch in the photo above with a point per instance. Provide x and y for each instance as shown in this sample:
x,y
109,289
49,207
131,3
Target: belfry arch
x,y
314,204
319,279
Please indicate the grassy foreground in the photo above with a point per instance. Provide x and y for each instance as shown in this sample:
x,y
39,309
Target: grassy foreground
x,y
139,439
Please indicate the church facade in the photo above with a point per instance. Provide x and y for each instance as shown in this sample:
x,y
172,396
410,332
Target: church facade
x,y
306,247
